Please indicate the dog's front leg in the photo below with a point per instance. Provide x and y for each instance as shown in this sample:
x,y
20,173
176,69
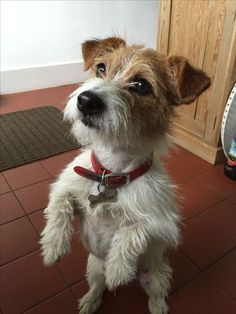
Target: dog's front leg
x,y
126,246
56,236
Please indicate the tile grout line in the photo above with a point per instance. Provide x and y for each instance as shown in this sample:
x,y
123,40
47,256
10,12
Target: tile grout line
x,y
56,264
219,258
26,214
202,270
17,258
58,268
191,260
14,219
54,295
219,286
44,300
11,190
75,283
21,202
68,285
40,161
209,278
216,229
190,178
32,184
35,229
5,192
207,223
212,188
38,250
204,210
167,159
186,283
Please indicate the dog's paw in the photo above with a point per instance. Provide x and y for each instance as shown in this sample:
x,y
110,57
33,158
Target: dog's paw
x,y
50,253
89,303
118,274
53,247
158,306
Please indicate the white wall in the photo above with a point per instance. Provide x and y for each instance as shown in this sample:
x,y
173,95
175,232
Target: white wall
x,y
40,40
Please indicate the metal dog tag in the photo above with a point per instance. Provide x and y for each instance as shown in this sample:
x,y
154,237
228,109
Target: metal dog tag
x,y
108,195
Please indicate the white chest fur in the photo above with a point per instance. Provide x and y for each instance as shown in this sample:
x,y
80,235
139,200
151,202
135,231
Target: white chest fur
x,y
146,200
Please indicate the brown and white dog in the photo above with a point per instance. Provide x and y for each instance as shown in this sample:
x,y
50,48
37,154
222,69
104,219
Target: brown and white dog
x,y
123,197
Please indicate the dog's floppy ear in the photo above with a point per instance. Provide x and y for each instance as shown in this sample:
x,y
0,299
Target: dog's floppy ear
x,y
93,48
190,81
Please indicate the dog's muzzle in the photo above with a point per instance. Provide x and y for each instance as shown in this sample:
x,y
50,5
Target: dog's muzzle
x,y
89,104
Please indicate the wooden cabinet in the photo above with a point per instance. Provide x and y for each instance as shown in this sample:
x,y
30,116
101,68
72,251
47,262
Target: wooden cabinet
x,y
204,31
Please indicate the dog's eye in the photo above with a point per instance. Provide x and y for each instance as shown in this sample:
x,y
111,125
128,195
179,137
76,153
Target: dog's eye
x,y
101,69
140,86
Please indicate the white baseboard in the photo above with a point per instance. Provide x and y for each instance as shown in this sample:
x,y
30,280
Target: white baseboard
x,y
26,79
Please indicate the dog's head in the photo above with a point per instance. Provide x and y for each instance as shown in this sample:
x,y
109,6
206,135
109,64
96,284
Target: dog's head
x,y
133,93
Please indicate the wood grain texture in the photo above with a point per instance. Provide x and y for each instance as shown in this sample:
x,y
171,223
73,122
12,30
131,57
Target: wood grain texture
x,y
204,31
225,72
190,17
163,26
195,144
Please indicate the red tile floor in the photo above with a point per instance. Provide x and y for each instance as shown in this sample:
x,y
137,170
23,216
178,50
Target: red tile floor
x,y
204,265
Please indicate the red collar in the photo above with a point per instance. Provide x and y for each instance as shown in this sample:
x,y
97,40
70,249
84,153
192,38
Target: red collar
x,y
108,178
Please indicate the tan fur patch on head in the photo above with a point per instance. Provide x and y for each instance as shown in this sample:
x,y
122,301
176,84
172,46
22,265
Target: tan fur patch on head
x,y
96,47
124,66
190,81
172,80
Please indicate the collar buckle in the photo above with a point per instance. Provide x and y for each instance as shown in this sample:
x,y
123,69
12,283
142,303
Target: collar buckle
x,y
114,179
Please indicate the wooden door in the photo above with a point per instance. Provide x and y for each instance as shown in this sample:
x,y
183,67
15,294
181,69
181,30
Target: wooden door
x,y
204,32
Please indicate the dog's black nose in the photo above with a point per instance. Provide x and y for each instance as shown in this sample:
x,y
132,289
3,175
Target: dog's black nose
x,y
89,103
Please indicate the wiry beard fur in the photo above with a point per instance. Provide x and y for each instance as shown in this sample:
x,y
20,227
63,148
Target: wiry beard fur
x,y
115,128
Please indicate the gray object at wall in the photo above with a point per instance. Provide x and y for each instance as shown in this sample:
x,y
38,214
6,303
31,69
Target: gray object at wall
x,y
228,127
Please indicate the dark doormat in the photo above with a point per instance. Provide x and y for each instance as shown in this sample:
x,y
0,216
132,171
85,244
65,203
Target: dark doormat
x,y
29,135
